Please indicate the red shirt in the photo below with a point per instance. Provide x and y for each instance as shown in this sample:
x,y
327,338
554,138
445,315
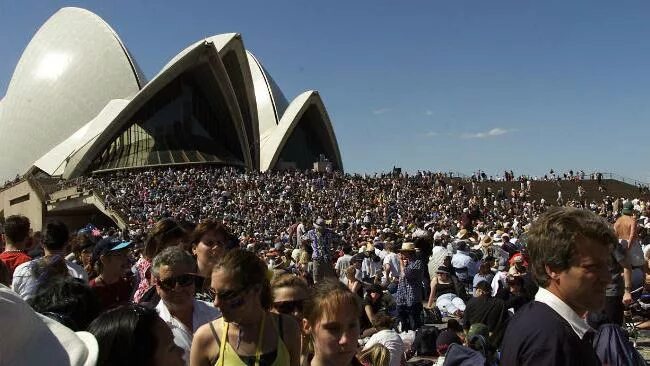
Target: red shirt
x,y
13,259
115,294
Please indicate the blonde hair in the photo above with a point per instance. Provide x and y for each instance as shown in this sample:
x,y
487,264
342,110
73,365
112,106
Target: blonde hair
x,y
289,280
377,355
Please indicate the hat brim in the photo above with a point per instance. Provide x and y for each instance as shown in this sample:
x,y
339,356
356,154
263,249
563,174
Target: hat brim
x,y
120,246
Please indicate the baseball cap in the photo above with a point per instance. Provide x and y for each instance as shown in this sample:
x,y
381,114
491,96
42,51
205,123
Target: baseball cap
x,y
107,245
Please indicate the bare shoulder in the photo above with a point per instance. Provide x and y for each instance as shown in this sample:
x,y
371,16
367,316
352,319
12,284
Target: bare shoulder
x,y
204,335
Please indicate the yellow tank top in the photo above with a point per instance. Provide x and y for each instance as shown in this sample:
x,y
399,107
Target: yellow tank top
x,y
229,357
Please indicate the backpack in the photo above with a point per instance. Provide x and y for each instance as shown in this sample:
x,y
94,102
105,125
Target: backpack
x,y
432,316
458,355
614,348
424,343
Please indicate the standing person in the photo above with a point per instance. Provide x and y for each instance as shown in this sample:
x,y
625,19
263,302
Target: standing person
x,y
342,263
165,233
27,275
627,232
332,322
16,236
248,333
111,262
409,289
134,335
210,242
322,240
391,265
569,253
174,275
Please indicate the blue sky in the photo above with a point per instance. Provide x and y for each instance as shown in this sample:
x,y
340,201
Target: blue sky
x,y
436,85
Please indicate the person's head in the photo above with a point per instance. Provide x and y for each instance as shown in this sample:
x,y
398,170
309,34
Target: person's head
x,y
56,236
332,314
383,321
569,252
446,339
483,289
376,355
443,273
319,224
210,241
240,283
133,335
110,257
485,267
174,273
82,246
289,294
67,300
17,230
165,233
515,284
374,292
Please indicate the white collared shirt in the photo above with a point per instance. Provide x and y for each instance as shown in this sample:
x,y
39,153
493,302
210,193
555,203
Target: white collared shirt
x,y
578,324
202,313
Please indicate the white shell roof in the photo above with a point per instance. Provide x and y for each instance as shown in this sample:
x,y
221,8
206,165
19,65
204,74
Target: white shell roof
x,y
271,102
273,141
73,66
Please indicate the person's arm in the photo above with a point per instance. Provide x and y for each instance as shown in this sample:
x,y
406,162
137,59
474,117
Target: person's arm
x,y
633,233
369,313
627,278
204,347
432,295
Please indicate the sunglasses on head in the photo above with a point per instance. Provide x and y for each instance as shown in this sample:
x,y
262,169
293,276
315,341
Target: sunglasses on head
x,y
288,307
232,297
183,280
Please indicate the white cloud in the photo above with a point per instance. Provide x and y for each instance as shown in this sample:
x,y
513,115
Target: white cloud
x,y
428,112
481,135
430,134
379,111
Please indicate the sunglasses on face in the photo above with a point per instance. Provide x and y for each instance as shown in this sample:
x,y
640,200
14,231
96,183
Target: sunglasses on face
x,y
288,307
183,280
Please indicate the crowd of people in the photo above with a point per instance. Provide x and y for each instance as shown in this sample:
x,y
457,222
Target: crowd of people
x,y
226,267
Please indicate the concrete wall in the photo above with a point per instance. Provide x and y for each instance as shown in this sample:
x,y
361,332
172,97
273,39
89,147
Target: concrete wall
x,y
22,199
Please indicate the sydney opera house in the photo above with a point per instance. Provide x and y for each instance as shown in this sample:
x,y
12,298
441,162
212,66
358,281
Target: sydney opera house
x,y
79,104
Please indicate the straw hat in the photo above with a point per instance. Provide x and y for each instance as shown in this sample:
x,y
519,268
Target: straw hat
x,y
408,247
462,234
486,241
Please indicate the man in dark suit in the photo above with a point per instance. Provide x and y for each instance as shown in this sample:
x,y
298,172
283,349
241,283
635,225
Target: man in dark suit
x,y
569,253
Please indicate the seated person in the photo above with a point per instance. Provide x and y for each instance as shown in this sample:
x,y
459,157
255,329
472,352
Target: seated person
x,y
485,309
445,292
514,295
377,301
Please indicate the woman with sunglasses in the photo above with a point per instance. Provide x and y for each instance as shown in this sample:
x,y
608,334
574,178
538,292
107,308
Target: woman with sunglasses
x,y
289,295
210,241
174,274
248,333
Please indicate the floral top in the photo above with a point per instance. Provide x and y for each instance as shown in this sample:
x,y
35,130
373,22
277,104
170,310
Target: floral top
x,y
143,272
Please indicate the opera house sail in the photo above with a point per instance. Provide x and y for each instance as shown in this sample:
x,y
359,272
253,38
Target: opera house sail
x,y
78,104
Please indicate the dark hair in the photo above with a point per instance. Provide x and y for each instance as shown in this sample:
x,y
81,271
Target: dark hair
x,y
247,270
484,286
16,228
56,235
383,321
163,232
125,336
552,239
67,300
208,225
5,276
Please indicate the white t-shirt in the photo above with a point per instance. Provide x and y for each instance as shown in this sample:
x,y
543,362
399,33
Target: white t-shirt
x,y
202,313
342,265
24,283
393,261
391,340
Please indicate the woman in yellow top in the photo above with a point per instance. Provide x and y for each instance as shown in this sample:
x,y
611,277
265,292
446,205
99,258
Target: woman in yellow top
x,y
248,334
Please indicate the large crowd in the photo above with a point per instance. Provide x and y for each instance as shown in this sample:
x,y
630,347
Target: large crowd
x,y
224,267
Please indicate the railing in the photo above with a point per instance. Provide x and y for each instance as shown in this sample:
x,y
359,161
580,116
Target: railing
x,y
625,179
